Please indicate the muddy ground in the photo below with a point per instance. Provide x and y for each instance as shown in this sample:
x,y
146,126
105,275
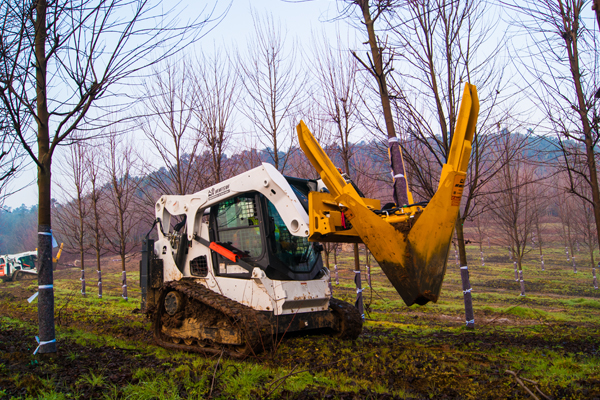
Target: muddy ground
x,y
425,355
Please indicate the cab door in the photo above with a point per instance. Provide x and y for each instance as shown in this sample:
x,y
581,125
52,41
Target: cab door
x,y
237,224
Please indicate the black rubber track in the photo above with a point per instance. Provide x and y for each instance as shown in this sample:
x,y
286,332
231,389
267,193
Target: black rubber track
x,y
351,321
254,327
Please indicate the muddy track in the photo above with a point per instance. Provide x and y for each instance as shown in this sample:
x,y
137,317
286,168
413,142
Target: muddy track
x,y
222,312
351,321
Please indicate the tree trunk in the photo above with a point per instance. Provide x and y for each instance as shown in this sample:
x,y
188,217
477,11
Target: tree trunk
x,y
398,170
519,264
596,8
516,271
81,252
335,268
594,275
583,110
591,161
368,268
99,268
99,282
571,244
124,283
82,281
47,337
522,282
539,235
456,253
359,297
464,275
327,266
81,235
481,253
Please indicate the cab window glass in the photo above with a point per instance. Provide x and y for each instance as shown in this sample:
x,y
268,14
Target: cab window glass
x,y
237,212
28,262
237,224
295,252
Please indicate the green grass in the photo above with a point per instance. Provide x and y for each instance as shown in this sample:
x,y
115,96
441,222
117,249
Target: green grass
x,y
405,351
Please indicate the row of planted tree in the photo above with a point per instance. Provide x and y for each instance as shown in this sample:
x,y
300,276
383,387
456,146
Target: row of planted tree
x,y
185,114
113,209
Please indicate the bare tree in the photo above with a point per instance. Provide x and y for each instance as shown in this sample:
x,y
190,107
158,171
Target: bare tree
x,y
583,216
562,59
514,201
121,217
541,204
216,83
72,222
565,213
59,60
337,95
93,167
15,121
273,86
11,159
170,125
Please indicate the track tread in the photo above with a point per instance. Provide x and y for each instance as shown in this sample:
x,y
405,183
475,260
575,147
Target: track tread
x,y
255,327
351,320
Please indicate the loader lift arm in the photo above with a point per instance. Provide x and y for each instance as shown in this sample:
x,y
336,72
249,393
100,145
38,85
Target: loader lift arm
x,y
410,243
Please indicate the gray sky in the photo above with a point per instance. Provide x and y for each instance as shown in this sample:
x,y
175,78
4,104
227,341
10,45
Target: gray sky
x,y
300,19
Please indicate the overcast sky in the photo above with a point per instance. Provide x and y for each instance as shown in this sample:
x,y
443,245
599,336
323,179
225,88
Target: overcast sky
x,y
300,19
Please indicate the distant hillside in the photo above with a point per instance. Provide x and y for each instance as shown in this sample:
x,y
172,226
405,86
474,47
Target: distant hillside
x,y
18,229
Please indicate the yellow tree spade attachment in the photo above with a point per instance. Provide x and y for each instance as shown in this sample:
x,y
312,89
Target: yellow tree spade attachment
x,y
410,243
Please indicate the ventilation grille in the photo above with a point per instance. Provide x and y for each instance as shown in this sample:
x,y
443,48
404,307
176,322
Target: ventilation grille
x,y
199,266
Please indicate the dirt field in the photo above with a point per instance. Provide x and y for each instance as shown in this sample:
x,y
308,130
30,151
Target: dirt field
x,y
549,338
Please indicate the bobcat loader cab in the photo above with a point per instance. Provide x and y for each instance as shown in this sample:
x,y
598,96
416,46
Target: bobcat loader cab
x,y
239,262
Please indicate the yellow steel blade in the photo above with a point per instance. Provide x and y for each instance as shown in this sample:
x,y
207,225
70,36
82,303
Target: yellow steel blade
x,y
320,160
412,255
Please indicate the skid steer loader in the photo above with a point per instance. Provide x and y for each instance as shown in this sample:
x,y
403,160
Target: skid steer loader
x,y
241,264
